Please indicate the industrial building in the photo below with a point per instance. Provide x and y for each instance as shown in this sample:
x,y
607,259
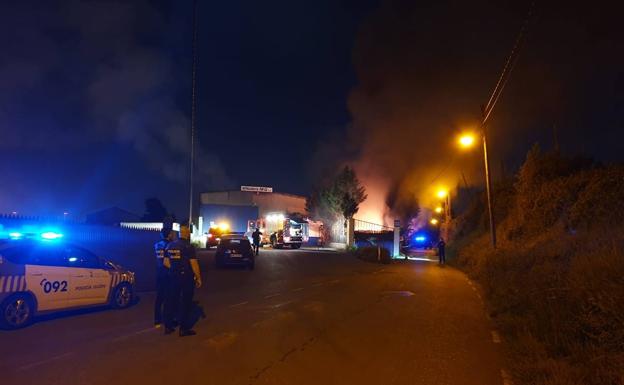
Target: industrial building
x,y
236,208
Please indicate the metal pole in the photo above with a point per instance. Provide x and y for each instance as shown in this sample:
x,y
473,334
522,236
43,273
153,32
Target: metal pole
x,y
447,226
193,112
488,185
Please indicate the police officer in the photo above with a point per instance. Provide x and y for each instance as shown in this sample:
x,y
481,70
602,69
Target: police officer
x,y
255,236
184,277
441,251
167,235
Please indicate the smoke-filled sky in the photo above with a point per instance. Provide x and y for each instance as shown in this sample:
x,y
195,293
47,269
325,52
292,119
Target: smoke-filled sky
x,y
95,95
425,70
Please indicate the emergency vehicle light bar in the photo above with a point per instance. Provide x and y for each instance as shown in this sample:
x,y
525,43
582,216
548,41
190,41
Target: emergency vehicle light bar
x,y
51,235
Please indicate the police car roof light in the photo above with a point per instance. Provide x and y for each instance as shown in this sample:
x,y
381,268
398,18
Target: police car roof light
x,y
51,235
15,235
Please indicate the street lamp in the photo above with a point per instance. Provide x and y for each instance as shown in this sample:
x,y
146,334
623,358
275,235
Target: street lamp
x,y
467,140
438,210
433,221
442,193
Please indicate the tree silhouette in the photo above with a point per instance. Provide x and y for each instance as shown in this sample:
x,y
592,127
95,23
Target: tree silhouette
x,y
155,211
340,198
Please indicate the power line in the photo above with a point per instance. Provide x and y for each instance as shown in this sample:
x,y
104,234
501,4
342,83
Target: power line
x,y
510,63
446,167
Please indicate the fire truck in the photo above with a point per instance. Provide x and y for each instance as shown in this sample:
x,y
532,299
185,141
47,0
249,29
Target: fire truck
x,y
279,230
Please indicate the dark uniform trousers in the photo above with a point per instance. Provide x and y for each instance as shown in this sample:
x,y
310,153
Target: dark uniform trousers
x,y
162,284
179,302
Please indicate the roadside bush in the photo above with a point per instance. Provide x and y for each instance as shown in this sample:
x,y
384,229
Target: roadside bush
x,y
373,254
555,284
601,202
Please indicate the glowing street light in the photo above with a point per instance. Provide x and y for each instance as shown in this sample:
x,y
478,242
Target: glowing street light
x,y
434,221
442,194
438,210
467,140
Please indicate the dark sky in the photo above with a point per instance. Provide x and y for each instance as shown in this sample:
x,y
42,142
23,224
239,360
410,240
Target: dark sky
x,y
95,100
95,96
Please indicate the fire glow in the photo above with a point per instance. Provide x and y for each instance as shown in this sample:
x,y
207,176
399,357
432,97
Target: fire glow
x,y
374,208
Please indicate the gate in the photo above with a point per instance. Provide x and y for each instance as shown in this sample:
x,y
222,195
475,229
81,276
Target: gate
x,y
368,234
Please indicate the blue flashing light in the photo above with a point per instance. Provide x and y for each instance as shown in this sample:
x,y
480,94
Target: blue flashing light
x,y
73,259
15,235
51,235
420,238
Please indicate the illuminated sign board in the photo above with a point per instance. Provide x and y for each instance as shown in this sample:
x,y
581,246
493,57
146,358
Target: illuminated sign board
x,y
257,189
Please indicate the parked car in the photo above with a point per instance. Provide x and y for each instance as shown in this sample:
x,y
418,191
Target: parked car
x,y
235,249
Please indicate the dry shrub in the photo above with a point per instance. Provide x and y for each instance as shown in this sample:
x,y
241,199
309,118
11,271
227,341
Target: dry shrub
x,y
555,284
601,202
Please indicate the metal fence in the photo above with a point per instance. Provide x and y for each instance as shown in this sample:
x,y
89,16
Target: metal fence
x,y
368,227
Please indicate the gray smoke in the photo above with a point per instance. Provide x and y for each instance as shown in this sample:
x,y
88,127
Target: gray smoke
x,y
425,69
107,72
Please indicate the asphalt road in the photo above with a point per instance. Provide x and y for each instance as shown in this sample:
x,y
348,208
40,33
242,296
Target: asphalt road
x,y
302,317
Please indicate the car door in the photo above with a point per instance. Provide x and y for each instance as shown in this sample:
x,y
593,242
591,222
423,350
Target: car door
x,y
89,282
47,277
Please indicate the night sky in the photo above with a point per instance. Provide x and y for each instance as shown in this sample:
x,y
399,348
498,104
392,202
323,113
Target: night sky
x,y
95,96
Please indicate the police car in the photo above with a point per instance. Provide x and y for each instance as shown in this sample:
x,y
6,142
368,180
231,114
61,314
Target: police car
x,y
38,277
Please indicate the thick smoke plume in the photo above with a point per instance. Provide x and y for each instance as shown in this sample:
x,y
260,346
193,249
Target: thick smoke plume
x,y
425,69
81,73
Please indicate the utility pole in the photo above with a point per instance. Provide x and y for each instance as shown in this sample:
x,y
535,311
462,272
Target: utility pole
x,y
448,215
193,112
488,184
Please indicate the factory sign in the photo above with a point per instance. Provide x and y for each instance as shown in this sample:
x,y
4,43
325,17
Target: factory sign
x,y
258,189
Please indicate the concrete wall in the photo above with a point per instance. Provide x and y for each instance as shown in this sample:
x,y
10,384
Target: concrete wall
x,y
236,216
238,207
282,203
266,202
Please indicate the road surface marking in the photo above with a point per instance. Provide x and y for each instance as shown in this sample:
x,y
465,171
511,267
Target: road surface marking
x,y
125,336
271,295
239,304
298,289
506,377
281,304
400,293
38,363
496,337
